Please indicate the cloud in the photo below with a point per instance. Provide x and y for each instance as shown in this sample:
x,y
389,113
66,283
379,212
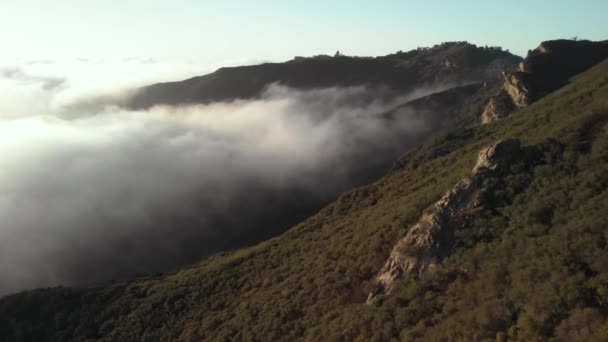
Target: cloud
x,y
84,86
16,74
106,193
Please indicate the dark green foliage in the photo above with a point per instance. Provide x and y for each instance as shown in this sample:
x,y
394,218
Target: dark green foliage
x,y
533,265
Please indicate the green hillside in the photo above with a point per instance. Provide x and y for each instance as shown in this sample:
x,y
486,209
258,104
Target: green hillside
x,y
533,265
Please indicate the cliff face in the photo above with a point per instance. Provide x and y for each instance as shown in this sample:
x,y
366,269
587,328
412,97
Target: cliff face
x,y
430,238
545,69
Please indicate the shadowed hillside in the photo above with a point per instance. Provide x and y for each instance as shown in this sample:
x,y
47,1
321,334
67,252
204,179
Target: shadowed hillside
x,y
545,69
458,62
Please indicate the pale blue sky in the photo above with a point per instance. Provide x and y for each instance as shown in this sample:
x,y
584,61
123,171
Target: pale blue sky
x,y
275,30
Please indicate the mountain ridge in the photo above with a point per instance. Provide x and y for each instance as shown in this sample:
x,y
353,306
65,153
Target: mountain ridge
x,y
401,72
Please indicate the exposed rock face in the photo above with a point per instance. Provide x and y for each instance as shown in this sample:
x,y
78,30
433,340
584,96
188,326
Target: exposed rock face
x,y
499,106
519,87
429,240
545,69
498,156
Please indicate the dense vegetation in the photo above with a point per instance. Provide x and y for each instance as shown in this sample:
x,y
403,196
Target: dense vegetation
x,y
533,266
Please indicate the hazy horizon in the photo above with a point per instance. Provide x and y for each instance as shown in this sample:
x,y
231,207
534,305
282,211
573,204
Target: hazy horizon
x,y
217,33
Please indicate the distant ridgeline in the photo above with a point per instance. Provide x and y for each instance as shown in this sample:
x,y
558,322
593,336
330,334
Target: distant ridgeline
x,y
492,231
459,62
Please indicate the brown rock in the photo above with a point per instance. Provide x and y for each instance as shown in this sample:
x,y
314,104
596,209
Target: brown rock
x,y
499,106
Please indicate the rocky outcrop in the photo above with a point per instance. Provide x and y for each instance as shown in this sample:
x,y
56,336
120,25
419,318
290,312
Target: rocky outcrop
x,y
544,70
519,87
517,91
498,107
497,157
430,239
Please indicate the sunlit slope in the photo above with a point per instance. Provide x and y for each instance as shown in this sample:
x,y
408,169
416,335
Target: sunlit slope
x,y
532,266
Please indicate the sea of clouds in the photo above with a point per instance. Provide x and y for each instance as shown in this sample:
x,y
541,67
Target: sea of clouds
x,y
91,191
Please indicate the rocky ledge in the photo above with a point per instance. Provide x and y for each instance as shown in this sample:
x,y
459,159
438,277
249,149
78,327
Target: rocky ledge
x,y
427,241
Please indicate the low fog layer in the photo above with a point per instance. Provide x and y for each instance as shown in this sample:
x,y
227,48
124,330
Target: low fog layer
x,y
90,194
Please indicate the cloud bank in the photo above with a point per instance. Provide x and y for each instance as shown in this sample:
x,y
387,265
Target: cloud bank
x,y
90,194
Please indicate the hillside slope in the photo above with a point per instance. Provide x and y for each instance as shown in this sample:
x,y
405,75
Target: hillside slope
x,y
531,264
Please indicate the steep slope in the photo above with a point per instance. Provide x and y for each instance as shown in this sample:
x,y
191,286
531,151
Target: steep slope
x,y
430,239
433,237
545,69
402,72
531,265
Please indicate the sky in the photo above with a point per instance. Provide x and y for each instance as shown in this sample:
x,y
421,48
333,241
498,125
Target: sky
x,y
217,31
